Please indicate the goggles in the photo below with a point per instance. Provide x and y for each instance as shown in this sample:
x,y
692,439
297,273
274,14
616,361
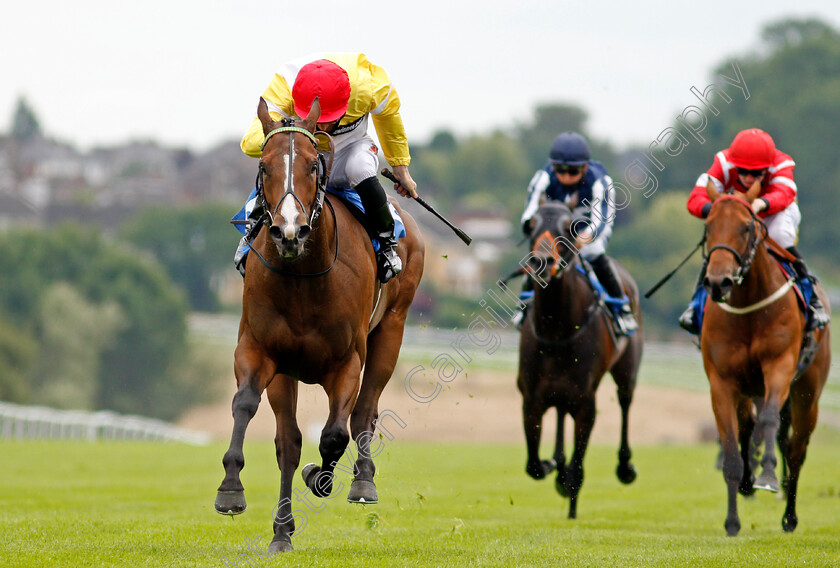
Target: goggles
x,y
754,173
567,169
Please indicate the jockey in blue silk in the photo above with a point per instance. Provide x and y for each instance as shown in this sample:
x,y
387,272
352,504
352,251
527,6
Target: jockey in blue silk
x,y
571,176
351,90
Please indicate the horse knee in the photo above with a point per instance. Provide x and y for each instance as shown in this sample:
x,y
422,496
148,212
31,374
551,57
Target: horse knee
x,y
246,401
733,467
769,416
333,442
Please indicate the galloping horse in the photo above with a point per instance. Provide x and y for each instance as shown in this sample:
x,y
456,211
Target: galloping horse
x,y
313,311
751,339
567,345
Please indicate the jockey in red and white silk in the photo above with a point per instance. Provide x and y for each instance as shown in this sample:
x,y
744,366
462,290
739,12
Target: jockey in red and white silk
x,y
778,190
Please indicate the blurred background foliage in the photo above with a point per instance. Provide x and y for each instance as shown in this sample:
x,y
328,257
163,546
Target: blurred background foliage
x,y
98,319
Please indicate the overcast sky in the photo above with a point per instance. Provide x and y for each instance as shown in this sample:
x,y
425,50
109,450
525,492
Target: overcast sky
x,y
190,72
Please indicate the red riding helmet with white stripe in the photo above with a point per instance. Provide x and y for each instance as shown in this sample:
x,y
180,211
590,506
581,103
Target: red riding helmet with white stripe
x,y
752,149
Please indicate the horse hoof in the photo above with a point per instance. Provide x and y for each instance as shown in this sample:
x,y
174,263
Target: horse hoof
x,y
320,483
362,491
626,473
560,485
309,472
789,523
732,528
278,546
539,470
230,502
767,481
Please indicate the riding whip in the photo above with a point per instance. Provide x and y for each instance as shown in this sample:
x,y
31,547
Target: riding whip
x,y
461,234
668,276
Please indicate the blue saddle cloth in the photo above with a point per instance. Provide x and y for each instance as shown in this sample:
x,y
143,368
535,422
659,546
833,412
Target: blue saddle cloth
x,y
804,291
614,303
349,195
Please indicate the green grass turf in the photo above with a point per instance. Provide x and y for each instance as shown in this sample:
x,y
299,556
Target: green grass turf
x,y
142,504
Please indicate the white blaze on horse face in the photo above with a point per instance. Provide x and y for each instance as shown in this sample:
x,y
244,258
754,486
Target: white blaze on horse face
x,y
289,210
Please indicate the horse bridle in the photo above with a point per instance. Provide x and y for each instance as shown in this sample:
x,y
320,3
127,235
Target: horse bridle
x,y
745,261
555,272
324,168
288,126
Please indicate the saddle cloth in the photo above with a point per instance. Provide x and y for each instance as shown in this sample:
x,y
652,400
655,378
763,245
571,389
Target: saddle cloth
x,y
803,288
349,196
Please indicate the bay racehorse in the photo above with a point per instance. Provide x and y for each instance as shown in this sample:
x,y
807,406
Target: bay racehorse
x,y
313,311
752,335
566,346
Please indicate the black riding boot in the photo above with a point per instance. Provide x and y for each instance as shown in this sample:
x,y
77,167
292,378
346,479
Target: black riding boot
x,y
379,214
818,316
688,321
605,272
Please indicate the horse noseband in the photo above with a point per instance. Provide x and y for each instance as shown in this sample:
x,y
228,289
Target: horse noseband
x,y
744,262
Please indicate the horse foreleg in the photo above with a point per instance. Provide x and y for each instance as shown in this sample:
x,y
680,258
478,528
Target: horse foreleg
x,y
584,416
532,415
342,387
769,421
230,498
746,426
723,404
803,411
559,453
383,349
783,441
282,394
625,471
777,373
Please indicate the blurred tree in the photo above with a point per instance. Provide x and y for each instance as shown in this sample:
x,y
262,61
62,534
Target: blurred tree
x,y
794,85
549,121
135,370
648,257
192,243
25,125
443,141
75,333
18,351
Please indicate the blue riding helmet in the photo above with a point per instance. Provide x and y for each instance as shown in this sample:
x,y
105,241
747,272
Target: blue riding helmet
x,y
570,148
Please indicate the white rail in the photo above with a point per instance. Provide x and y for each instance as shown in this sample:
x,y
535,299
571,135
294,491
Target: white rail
x,y
39,422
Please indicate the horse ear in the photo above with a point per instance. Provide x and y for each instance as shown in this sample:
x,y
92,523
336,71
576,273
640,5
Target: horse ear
x,y
311,119
264,116
712,190
753,191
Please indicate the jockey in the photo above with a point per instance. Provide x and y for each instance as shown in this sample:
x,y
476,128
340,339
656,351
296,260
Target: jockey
x,y
571,176
753,156
350,89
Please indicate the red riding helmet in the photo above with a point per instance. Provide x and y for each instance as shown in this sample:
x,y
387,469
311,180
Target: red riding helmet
x,y
327,81
752,149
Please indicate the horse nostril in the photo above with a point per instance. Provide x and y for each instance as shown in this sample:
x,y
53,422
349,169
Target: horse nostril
x,y
275,232
727,283
304,231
